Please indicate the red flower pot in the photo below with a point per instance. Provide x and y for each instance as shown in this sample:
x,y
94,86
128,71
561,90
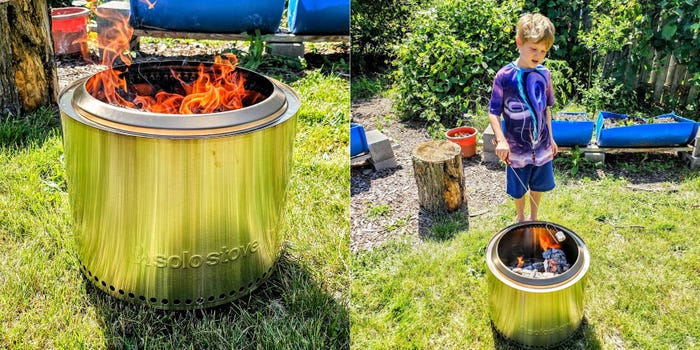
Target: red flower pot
x,y
465,137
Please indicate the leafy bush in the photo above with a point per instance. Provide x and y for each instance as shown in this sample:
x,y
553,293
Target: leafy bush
x,y
569,17
377,27
446,65
628,38
563,80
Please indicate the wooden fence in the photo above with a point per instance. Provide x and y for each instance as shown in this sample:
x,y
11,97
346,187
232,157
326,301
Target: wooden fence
x,y
665,78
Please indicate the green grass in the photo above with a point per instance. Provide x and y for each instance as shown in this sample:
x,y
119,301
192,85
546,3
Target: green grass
x,y
45,302
368,86
642,284
378,211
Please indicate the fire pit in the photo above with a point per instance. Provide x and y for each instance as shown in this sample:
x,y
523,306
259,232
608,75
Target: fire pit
x,y
177,211
543,310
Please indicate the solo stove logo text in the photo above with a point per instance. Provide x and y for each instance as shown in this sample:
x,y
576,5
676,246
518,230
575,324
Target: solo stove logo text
x,y
187,260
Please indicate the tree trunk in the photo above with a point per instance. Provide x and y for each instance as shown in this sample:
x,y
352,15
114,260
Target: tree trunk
x,y
28,77
437,166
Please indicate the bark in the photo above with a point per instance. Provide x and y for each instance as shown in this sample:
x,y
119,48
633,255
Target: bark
x,y
437,167
28,78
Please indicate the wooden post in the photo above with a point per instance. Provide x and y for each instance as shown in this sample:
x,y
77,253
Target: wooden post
x,y
28,78
437,166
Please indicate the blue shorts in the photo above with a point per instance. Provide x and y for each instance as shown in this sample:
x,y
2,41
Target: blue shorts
x,y
536,178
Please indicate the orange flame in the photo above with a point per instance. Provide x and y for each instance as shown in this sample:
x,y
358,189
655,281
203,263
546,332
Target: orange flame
x,y
547,241
114,43
218,87
521,262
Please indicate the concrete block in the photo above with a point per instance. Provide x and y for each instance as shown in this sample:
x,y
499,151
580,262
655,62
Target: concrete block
x,y
379,146
488,137
489,157
111,10
385,164
108,9
694,161
380,149
285,49
595,156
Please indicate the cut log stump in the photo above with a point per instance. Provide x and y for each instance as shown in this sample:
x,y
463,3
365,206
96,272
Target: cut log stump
x,y
437,166
28,78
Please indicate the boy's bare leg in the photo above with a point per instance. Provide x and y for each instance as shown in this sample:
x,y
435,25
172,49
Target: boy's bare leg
x,y
534,204
520,208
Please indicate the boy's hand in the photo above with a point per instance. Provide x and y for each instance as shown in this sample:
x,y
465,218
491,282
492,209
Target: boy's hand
x,y
555,148
502,150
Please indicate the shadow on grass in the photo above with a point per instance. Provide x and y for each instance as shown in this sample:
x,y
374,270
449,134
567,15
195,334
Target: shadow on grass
x,y
443,227
288,311
33,128
583,338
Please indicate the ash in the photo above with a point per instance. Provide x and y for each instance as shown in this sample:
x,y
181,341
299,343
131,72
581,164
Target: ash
x,y
553,263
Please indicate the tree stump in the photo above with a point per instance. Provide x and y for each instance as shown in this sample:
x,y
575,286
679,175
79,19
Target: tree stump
x,y
437,166
28,78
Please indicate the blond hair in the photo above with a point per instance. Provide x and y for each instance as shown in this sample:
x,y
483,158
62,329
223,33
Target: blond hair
x,y
535,27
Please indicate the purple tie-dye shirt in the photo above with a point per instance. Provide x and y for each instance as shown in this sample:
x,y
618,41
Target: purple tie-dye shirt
x,y
522,95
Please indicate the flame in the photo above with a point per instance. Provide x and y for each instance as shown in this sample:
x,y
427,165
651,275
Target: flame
x,y
218,87
547,240
521,262
114,43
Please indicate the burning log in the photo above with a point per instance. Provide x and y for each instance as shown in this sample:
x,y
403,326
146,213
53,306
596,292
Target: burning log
x,y
553,262
437,166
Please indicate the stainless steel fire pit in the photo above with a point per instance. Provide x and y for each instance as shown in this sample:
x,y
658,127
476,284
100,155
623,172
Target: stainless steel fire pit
x,y
178,211
535,312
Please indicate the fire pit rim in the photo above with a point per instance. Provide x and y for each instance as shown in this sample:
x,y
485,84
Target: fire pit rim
x,y
272,105
289,108
546,285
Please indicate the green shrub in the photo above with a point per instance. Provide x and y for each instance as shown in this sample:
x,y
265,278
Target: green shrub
x,y
570,18
446,64
377,27
563,81
602,95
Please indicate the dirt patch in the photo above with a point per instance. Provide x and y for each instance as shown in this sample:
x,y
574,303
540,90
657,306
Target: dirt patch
x,y
396,189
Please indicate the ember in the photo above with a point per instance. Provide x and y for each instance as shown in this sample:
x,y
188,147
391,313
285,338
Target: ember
x,y
552,263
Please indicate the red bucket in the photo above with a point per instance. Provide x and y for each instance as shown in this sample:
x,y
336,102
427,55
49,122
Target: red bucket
x,y
465,137
69,30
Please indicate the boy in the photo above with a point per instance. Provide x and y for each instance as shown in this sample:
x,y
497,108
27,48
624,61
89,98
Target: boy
x,y
522,93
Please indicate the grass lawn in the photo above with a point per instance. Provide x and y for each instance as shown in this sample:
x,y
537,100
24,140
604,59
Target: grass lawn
x,y
45,302
643,283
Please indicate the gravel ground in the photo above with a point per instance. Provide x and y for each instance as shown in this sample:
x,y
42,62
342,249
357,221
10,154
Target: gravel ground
x,y
396,187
